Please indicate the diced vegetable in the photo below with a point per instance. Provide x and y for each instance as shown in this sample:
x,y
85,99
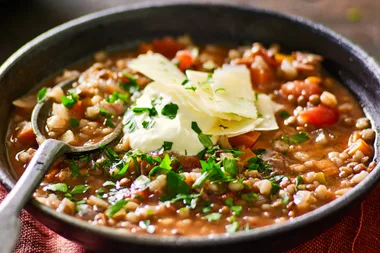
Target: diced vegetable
x,y
26,134
327,167
248,140
167,46
320,116
298,88
185,59
362,146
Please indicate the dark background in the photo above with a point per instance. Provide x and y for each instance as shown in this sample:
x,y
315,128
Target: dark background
x,y
22,20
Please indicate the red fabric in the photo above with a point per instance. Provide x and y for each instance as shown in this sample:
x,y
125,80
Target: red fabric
x,y
359,231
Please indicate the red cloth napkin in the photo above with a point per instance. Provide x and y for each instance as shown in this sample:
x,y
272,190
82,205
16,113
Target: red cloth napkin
x,y
359,231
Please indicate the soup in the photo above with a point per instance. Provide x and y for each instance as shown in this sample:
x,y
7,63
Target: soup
x,y
216,139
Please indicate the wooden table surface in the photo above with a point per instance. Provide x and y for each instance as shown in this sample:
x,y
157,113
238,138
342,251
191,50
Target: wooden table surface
x,y
22,20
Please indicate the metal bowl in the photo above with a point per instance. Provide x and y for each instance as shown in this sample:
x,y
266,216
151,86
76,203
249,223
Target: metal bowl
x,y
123,27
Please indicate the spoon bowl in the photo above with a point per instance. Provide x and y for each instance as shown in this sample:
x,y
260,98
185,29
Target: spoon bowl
x,y
42,160
42,111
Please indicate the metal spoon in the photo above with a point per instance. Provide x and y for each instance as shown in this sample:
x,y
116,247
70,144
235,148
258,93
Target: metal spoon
x,y
46,154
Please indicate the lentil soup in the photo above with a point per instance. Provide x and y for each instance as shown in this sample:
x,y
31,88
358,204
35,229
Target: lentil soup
x,y
216,139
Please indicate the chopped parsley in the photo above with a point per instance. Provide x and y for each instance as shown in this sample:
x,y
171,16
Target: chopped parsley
x,y
41,95
170,110
237,210
104,113
74,169
275,188
284,114
191,88
256,96
112,210
257,163
299,180
109,123
203,138
210,171
213,217
195,127
165,165
109,183
148,124
59,187
80,189
70,100
249,197
131,86
190,200
167,145
233,227
230,166
152,111
295,138
118,96
185,81
74,122
224,127
175,185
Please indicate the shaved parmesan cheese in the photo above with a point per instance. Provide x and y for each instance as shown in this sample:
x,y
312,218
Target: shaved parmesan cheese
x,y
158,68
265,106
222,104
233,92
178,130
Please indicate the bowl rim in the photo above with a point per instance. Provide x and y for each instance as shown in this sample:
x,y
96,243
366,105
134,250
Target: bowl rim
x,y
187,241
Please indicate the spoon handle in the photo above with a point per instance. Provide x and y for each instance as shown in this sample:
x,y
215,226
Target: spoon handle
x,y
13,203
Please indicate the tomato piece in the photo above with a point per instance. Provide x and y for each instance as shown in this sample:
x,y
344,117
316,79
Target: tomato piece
x,y
320,116
298,88
78,109
185,59
167,46
247,139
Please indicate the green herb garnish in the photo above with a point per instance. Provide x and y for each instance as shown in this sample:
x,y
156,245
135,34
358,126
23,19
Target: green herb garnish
x,y
295,138
59,187
112,210
185,82
284,114
70,100
74,122
41,95
80,189
191,88
164,166
152,111
148,124
299,180
131,86
118,96
230,166
175,185
170,110
213,217
109,123
167,145
233,227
